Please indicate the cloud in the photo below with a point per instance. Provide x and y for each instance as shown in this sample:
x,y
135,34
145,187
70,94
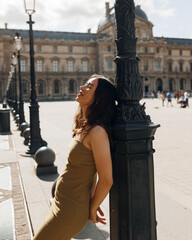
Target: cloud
x,y
153,7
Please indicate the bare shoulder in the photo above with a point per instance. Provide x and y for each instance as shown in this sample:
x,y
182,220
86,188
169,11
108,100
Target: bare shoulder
x,y
98,132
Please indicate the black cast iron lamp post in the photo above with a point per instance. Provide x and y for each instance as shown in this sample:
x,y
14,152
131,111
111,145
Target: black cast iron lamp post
x,y
18,46
35,141
132,202
14,62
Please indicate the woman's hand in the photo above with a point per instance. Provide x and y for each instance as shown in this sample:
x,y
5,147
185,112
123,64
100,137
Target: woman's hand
x,y
95,218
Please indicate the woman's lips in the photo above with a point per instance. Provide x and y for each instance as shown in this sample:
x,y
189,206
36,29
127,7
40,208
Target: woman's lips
x,y
80,93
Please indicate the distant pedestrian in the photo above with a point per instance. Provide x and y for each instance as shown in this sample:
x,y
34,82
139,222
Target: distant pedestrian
x,y
186,97
78,195
169,99
162,98
177,96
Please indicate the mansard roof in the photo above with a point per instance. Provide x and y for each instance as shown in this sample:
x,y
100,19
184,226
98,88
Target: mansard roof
x,y
51,34
178,41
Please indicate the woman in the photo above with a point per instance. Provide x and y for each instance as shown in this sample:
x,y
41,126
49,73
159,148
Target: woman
x,y
78,195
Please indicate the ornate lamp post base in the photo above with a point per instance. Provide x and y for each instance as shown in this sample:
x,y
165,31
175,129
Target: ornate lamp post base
x,y
36,140
132,203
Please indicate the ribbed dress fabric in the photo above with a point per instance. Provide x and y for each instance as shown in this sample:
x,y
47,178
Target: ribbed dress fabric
x,y
69,211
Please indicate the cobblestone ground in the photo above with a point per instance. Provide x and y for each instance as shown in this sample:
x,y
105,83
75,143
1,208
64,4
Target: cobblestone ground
x,y
19,222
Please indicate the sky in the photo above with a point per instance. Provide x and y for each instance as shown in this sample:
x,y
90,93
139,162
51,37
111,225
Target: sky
x,y
171,18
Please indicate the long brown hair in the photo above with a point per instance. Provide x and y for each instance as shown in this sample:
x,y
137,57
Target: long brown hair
x,y
101,111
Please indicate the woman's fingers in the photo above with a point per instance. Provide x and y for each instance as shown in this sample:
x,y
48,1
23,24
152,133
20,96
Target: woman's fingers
x,y
100,211
101,220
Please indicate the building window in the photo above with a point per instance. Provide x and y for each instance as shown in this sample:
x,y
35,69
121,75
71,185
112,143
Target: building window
x,y
40,87
70,48
191,84
56,87
158,66
181,67
169,51
84,49
38,48
146,49
109,48
170,67
71,86
157,50
23,66
70,66
55,66
191,52
181,84
191,66
85,66
146,67
39,65
23,48
180,52
54,49
109,65
24,86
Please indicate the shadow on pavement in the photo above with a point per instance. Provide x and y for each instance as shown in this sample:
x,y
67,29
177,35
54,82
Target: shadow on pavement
x,y
48,177
91,231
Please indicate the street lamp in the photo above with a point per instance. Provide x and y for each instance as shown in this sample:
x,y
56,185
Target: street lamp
x,y
14,62
18,46
35,141
132,203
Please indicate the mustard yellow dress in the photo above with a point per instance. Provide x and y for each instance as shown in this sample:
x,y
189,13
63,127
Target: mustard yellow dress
x,y
69,211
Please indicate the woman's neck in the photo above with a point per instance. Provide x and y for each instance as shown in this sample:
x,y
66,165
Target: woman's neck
x,y
84,110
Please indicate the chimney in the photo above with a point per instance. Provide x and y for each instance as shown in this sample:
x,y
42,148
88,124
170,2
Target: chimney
x,y
89,30
107,10
6,24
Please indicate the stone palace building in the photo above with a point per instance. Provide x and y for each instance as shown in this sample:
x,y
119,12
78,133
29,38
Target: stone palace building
x,y
65,60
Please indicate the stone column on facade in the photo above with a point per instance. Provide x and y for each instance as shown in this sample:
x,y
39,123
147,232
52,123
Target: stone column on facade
x,y
63,88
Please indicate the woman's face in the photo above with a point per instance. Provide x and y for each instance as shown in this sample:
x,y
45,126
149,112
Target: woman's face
x,y
86,94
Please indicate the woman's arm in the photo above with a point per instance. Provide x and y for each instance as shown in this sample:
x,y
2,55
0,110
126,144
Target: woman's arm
x,y
93,186
102,156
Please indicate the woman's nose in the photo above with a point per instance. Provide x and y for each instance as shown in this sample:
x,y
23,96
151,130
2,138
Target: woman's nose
x,y
81,87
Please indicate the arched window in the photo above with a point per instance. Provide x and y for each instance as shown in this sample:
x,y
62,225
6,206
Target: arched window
x,y
56,86
40,86
171,84
170,66
182,83
159,85
71,86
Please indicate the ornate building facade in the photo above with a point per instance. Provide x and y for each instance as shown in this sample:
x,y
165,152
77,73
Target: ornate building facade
x,y
65,60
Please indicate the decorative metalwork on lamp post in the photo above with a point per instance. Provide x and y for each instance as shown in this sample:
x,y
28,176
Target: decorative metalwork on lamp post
x,y
132,204
35,136
18,46
14,62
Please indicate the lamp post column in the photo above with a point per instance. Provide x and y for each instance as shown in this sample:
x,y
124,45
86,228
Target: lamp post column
x,y
21,107
15,83
35,141
132,203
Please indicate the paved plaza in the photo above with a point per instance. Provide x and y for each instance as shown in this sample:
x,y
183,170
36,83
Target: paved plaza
x,y
24,197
